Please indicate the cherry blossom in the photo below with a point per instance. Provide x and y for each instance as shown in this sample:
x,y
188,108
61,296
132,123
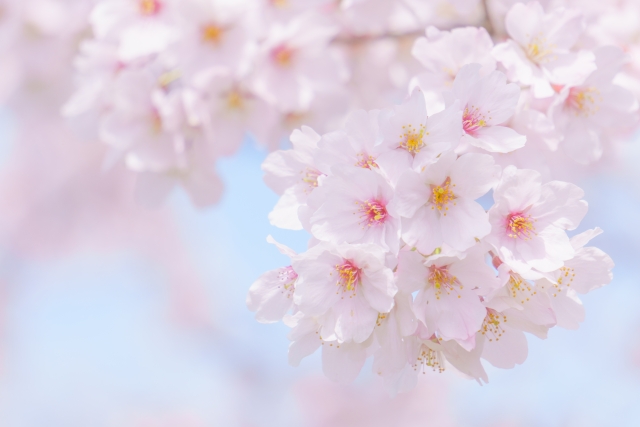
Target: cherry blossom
x,y
348,284
352,207
271,296
529,220
414,137
539,50
487,102
438,204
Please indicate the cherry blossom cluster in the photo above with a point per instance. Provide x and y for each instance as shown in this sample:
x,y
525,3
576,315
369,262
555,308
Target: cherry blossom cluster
x,y
575,101
440,234
173,85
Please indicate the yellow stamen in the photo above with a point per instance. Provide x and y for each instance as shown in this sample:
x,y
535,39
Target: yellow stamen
x,y
491,327
520,226
540,51
149,7
412,140
349,276
235,101
212,33
442,195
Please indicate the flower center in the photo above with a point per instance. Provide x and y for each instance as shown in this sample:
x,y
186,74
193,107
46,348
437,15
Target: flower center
x,y
491,326
472,119
366,161
310,176
349,276
150,7
442,280
584,101
156,123
212,33
520,226
442,195
280,3
282,55
374,212
540,51
412,139
235,100
287,278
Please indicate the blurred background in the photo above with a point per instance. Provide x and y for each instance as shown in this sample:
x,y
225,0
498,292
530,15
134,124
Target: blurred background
x,y
113,314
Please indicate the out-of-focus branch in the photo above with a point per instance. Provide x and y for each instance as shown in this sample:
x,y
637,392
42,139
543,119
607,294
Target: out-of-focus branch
x,y
488,24
356,40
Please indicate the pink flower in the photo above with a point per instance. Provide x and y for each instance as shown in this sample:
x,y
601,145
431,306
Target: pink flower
x,y
341,361
226,109
444,53
487,102
142,27
438,205
448,300
522,300
428,353
539,51
391,334
294,62
348,284
414,138
529,220
588,270
585,113
214,33
293,175
351,207
271,296
357,145
503,345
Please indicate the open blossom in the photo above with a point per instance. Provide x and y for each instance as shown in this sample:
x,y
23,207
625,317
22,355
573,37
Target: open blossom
x,y
428,353
448,300
341,361
294,62
215,32
142,27
293,175
538,54
357,145
348,284
438,204
444,53
487,103
586,112
588,270
227,110
413,138
529,220
271,296
351,206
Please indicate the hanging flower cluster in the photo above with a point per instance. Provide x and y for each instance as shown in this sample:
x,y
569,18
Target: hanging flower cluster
x,y
173,85
438,237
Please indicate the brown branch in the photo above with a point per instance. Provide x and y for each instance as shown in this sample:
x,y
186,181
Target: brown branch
x,y
488,24
360,39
